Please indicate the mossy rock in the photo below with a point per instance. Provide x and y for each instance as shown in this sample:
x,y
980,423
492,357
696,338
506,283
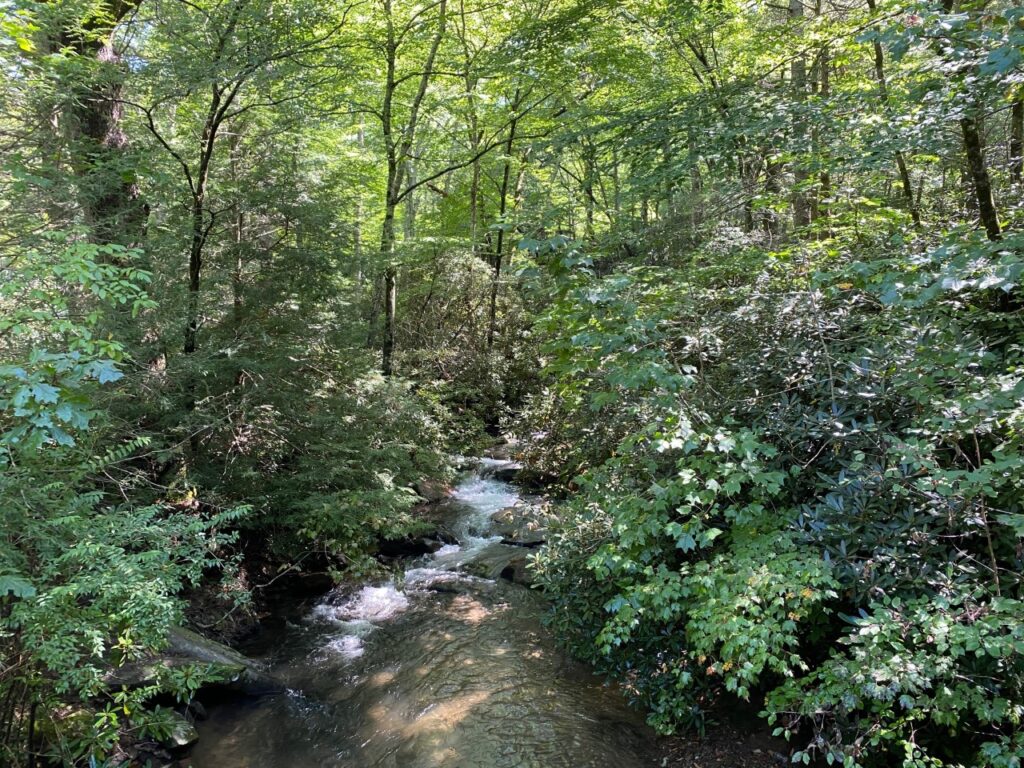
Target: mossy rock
x,y
185,647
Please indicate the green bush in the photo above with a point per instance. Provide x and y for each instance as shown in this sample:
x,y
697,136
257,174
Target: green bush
x,y
810,494
89,578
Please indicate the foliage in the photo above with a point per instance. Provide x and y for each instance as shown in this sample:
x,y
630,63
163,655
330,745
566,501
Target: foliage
x,y
744,277
877,468
88,581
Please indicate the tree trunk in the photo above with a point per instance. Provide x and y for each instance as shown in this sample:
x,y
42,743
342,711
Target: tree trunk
x,y
195,268
975,150
387,248
772,187
239,233
798,74
399,152
1017,142
409,212
901,160
492,315
819,207
108,193
589,201
357,227
696,182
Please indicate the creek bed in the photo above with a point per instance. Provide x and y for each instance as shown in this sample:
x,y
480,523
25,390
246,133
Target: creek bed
x,y
435,667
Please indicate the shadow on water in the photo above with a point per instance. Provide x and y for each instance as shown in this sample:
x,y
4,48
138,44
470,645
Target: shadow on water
x,y
436,668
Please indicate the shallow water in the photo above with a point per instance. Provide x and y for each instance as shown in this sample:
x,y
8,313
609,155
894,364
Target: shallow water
x,y
436,667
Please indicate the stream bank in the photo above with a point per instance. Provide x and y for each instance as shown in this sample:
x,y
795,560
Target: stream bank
x,y
444,664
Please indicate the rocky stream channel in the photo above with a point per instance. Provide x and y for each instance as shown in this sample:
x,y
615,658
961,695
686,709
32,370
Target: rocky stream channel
x,y
444,664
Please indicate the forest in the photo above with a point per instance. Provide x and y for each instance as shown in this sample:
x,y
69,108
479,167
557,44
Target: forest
x,y
737,284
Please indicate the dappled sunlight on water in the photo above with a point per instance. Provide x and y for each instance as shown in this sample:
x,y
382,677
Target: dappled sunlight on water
x,y
439,668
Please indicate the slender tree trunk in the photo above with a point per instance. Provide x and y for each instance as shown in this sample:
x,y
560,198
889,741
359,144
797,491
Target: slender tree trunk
x,y
390,290
616,187
1017,142
974,151
474,198
195,268
409,211
389,293
820,210
772,186
357,227
239,233
696,182
748,183
492,315
399,151
798,74
589,172
901,160
476,135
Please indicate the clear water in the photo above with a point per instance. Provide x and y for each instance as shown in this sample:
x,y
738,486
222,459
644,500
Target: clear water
x,y
436,667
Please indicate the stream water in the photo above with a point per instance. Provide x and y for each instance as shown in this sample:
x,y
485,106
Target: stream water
x,y
446,665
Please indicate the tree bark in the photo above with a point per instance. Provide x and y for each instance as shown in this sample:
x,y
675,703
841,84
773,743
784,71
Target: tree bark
x,y
1017,142
399,152
239,233
819,208
798,74
108,193
975,150
492,315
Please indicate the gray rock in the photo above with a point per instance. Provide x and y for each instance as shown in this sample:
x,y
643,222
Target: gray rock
x,y
502,451
432,490
186,647
521,526
518,572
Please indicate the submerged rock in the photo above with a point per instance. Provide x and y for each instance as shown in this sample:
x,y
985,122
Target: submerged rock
x,y
183,734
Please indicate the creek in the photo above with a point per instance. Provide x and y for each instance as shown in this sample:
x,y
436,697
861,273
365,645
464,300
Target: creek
x,y
444,664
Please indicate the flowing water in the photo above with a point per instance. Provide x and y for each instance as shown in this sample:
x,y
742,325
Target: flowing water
x,y
446,665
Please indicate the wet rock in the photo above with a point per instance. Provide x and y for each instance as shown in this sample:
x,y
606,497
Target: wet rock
x,y
464,462
500,469
432,490
185,647
183,734
520,526
518,572
506,472
196,710
502,451
408,546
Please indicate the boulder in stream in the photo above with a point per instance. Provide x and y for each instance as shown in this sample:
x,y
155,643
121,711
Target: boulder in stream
x,y
517,571
506,471
502,451
186,647
432,490
523,526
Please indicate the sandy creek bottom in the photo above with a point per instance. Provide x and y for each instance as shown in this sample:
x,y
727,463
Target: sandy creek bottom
x,y
437,667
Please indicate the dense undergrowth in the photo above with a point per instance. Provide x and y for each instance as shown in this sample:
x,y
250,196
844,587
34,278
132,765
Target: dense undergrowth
x,y
799,482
